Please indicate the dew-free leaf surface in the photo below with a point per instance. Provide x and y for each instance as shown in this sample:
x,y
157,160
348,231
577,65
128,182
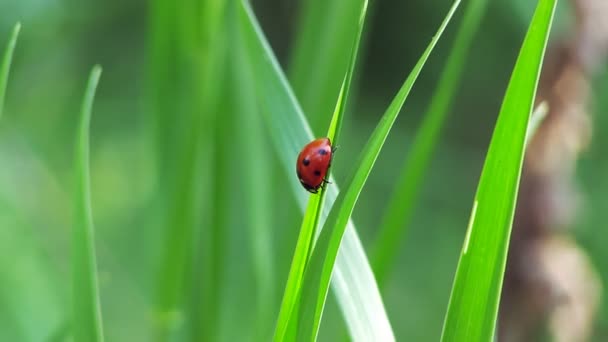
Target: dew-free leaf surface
x,y
475,297
401,206
353,280
86,314
319,271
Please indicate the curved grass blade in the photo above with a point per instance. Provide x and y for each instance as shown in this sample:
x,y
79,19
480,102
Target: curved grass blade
x,y
353,280
312,215
473,305
86,315
401,206
319,271
6,63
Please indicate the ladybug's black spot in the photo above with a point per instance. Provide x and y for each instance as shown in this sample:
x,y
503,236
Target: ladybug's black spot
x,y
305,161
322,151
317,173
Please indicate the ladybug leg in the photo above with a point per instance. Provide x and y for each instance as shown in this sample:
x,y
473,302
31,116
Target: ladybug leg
x,y
324,184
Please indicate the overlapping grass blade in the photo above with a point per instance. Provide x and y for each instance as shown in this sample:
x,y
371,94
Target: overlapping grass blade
x,y
401,206
6,63
287,321
318,273
308,232
473,306
353,279
86,315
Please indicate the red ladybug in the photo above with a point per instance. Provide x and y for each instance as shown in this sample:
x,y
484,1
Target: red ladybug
x,y
313,162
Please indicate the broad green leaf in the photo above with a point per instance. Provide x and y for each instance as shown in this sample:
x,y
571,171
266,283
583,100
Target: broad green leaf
x,y
319,271
473,305
400,208
353,280
86,315
312,215
6,63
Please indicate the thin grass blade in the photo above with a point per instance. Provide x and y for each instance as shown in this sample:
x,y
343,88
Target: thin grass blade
x,y
473,305
353,280
5,67
320,56
86,319
396,218
308,234
318,273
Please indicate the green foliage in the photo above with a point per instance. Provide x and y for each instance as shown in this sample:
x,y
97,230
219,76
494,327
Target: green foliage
x,y
86,314
473,306
354,286
189,37
288,316
399,210
322,54
255,185
318,273
197,205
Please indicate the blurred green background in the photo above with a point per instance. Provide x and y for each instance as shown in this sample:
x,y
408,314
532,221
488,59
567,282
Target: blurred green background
x,y
60,41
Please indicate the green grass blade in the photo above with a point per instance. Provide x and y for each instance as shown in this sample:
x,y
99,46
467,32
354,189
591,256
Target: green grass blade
x,y
319,271
320,56
353,281
6,63
335,127
253,151
473,306
213,132
308,233
86,319
291,297
189,36
312,215
401,206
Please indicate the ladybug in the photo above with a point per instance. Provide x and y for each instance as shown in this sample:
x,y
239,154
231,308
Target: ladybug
x,y
313,162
